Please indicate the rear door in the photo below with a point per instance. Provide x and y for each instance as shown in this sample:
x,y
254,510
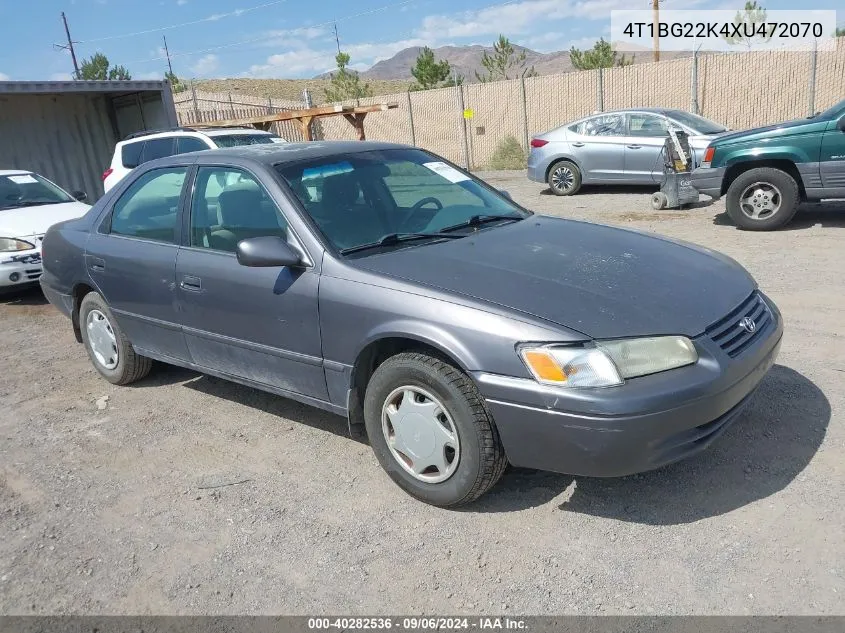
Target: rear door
x,y
832,157
259,324
598,145
647,132
131,259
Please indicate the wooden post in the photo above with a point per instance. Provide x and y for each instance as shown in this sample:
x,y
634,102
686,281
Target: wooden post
x,y
357,121
305,127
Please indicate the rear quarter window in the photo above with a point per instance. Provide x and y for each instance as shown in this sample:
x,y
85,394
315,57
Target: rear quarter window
x,y
130,154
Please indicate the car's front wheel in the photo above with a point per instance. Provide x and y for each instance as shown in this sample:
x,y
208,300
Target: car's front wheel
x,y
108,348
762,199
564,178
430,430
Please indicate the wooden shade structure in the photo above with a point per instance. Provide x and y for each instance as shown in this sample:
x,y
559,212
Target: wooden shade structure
x,y
354,114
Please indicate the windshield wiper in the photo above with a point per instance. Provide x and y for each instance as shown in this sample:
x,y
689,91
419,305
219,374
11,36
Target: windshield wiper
x,y
30,203
395,238
478,220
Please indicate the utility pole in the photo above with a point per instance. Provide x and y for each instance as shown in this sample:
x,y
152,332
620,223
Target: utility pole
x,y
336,38
69,47
655,8
167,53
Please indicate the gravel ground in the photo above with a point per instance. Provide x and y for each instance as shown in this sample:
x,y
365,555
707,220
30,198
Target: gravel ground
x,y
187,494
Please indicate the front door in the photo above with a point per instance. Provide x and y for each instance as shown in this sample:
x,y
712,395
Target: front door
x,y
132,261
644,143
598,143
832,158
259,324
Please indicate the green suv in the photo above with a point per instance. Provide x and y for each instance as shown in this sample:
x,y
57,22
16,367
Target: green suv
x,y
766,172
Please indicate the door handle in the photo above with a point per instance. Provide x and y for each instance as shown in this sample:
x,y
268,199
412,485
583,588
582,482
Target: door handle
x,y
193,284
634,146
97,264
578,145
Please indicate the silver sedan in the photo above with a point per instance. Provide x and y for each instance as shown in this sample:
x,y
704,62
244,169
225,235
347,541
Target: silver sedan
x,y
621,147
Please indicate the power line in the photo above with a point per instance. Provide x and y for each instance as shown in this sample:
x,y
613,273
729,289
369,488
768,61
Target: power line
x,y
69,47
211,18
268,37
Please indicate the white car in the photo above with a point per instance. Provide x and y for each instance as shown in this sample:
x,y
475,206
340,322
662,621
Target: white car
x,y
141,147
29,205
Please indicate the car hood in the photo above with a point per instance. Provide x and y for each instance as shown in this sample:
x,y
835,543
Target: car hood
x,y
601,281
28,221
763,131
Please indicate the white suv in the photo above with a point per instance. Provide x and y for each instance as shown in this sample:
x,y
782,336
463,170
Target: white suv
x,y
145,146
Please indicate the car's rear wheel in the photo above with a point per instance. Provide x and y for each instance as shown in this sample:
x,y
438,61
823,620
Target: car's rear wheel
x,y
762,199
110,351
564,178
430,430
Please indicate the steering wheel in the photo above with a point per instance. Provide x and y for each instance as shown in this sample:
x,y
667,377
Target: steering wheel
x,y
430,200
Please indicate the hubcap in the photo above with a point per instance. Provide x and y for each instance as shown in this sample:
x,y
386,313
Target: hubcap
x,y
420,434
563,178
101,339
760,200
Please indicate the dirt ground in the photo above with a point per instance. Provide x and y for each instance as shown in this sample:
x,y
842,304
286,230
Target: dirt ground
x,y
187,494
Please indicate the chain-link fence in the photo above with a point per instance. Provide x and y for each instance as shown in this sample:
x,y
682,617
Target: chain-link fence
x,y
466,124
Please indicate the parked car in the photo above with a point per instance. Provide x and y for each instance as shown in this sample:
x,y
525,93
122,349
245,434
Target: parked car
x,y
382,283
141,147
623,147
766,172
29,205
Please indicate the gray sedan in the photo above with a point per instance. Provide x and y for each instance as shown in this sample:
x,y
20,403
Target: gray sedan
x,y
458,330
623,147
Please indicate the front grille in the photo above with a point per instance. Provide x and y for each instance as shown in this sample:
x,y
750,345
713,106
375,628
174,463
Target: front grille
x,y
33,273
732,337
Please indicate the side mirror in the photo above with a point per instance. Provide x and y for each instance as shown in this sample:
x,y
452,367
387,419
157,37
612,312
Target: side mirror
x,y
506,194
841,124
80,195
267,251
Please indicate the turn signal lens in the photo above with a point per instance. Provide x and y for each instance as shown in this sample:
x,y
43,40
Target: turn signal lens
x,y
10,244
708,156
570,366
544,366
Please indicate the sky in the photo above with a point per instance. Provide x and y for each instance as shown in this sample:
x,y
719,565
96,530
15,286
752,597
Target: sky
x,y
292,38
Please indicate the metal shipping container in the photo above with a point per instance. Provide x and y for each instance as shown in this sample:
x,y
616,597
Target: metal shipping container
x,y
66,130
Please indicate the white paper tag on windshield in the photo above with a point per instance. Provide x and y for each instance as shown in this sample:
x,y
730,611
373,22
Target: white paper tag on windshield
x,y
22,179
447,171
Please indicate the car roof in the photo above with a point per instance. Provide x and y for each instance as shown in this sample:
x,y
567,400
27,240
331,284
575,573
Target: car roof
x,y
197,131
275,153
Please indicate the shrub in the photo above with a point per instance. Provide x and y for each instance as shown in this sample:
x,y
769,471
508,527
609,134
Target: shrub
x,y
508,155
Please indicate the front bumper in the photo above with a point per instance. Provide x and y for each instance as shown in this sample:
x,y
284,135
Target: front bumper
x,y
708,180
645,424
20,268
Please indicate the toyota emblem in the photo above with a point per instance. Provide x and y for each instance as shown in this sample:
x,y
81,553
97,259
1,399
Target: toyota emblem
x,y
748,325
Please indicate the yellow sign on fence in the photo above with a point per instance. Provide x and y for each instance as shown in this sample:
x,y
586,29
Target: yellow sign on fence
x,y
468,114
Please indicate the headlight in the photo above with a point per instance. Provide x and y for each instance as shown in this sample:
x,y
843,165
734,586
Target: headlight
x,y
607,363
10,244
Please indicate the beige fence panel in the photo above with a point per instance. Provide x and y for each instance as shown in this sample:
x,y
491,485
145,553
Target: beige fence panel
x,y
553,100
497,112
830,77
751,89
658,84
439,122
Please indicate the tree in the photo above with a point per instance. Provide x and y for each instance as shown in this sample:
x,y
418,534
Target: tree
x,y
431,73
345,83
176,84
601,55
97,69
504,62
751,24
840,32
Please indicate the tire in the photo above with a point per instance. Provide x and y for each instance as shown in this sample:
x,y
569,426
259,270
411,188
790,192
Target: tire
x,y
98,329
480,458
659,201
564,178
762,199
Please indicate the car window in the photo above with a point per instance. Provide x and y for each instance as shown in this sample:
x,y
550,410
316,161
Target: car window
x,y
149,207
602,125
643,124
157,148
359,197
185,144
230,205
130,154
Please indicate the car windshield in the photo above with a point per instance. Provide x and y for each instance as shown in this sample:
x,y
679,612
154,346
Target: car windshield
x,y
362,198
233,140
29,190
697,123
